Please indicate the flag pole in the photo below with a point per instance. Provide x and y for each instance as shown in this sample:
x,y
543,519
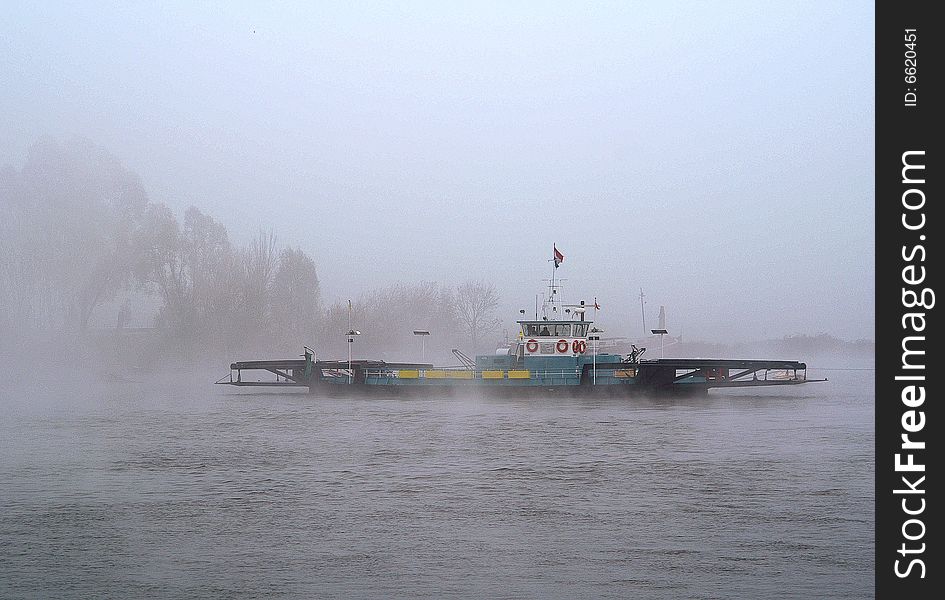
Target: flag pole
x,y
554,267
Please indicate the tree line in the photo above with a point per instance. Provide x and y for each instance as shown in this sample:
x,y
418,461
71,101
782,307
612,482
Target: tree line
x,y
82,247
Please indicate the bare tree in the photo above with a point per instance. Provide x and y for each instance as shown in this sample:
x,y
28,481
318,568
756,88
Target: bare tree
x,y
387,318
475,303
161,265
260,261
296,297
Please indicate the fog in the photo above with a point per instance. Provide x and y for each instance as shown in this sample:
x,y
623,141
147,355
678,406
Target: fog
x,y
232,175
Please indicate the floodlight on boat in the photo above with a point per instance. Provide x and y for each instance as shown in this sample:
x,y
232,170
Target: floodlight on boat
x,y
661,333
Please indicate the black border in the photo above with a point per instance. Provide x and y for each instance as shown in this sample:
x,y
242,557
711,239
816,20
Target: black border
x,y
901,128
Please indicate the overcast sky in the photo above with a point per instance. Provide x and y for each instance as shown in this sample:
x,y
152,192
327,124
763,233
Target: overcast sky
x,y
717,155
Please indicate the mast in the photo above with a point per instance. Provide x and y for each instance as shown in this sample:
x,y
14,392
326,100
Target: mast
x,y
554,267
552,299
553,285
643,312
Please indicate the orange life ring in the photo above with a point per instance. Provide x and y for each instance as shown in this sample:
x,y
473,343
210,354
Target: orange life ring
x,y
562,346
579,346
531,346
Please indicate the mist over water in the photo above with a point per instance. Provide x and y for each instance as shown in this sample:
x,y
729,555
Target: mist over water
x,y
174,488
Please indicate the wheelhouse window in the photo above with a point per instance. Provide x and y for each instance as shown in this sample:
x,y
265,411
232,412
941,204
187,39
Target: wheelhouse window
x,y
552,329
561,330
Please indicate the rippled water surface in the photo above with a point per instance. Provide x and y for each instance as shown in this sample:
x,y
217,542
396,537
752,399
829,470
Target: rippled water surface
x,y
182,489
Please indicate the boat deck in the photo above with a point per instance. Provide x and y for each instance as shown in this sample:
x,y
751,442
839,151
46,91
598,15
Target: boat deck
x,y
660,375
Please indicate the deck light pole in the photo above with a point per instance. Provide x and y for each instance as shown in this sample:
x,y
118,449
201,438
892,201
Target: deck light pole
x,y
422,334
595,338
350,335
661,333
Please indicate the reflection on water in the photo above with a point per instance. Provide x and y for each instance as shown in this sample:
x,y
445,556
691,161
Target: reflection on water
x,y
188,490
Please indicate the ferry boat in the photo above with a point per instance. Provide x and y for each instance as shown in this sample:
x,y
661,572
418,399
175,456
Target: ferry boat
x,y
548,356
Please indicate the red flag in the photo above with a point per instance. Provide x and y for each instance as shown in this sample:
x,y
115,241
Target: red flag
x,y
559,258
596,305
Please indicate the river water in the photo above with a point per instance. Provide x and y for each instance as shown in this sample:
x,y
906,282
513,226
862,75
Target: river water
x,y
179,489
